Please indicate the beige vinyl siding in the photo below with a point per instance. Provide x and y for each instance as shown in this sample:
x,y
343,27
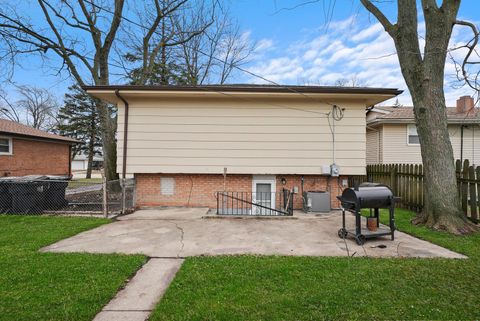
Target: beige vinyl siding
x,y
373,146
396,149
471,142
206,135
380,144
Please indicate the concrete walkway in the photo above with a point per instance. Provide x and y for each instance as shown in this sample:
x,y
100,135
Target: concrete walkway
x,y
137,300
184,232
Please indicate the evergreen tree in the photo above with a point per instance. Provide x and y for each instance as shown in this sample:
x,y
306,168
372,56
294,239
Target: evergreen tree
x,y
79,119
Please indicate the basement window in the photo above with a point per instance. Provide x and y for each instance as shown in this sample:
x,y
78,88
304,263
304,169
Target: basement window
x,y
5,146
412,135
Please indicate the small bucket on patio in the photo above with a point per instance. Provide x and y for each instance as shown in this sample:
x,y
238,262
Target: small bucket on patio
x,y
372,224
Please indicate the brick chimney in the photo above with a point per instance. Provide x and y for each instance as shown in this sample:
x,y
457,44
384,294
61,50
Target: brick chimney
x,y
464,104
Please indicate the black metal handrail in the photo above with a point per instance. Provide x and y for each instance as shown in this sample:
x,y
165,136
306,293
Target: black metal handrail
x,y
255,204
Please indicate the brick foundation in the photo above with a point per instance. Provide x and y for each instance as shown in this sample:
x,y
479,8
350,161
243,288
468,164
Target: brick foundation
x,y
32,157
199,190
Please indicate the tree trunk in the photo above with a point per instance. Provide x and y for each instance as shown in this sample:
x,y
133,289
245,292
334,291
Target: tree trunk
x,y
109,145
89,164
91,150
442,204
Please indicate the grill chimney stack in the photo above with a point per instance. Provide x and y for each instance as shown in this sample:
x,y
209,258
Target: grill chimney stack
x,y
464,104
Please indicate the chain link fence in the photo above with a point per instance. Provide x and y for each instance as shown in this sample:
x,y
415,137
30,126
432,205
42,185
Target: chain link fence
x,y
57,195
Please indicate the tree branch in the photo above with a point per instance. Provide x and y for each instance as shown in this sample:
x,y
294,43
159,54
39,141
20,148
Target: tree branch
x,y
471,45
387,25
63,51
117,18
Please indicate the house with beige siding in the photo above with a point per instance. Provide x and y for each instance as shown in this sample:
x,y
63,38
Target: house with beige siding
x,y
184,144
392,135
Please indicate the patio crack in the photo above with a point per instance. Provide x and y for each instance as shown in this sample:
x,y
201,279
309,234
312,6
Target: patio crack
x,y
182,235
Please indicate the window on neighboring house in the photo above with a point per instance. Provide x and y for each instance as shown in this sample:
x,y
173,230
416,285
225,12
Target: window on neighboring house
x,y
412,138
5,146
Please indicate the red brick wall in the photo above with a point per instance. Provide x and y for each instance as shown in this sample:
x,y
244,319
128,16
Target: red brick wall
x,y
311,183
32,157
198,190
195,190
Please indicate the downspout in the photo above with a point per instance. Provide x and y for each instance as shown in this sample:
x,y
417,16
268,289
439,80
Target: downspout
x,y
461,143
125,134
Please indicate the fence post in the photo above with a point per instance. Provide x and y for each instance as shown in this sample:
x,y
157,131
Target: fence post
x,y
478,187
393,178
464,184
473,195
124,198
422,187
105,195
458,170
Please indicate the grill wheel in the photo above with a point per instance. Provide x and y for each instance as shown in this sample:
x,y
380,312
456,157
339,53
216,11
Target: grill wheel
x,y
360,239
342,233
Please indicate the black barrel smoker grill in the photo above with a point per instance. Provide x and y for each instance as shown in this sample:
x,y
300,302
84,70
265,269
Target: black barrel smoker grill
x,y
367,196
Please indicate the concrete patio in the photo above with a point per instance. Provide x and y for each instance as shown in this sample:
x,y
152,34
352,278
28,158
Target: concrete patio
x,y
183,232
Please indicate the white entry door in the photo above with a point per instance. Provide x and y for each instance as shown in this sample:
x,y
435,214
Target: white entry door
x,y
263,194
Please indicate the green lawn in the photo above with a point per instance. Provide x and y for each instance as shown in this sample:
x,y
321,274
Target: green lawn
x,y
292,288
80,182
51,286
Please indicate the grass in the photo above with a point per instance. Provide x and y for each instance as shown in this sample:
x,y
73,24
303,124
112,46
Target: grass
x,y
87,180
306,288
54,286
79,182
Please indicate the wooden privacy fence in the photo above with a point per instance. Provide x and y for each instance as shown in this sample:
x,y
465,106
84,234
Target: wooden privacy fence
x,y
406,180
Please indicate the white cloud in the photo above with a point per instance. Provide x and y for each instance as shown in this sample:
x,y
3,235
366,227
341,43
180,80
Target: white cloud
x,y
369,56
343,53
264,45
278,70
369,32
310,54
349,24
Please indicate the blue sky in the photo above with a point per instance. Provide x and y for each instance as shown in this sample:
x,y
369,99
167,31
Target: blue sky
x,y
306,45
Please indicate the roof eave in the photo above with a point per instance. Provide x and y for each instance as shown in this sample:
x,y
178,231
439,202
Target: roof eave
x,y
378,121
33,137
246,88
368,95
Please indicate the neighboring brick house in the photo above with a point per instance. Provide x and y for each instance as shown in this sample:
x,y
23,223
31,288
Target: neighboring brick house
x,y
28,151
392,135
178,142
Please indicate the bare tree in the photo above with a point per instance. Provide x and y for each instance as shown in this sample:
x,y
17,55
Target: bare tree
x,y
212,56
40,107
78,32
424,74
192,42
8,110
159,34
353,81
36,107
